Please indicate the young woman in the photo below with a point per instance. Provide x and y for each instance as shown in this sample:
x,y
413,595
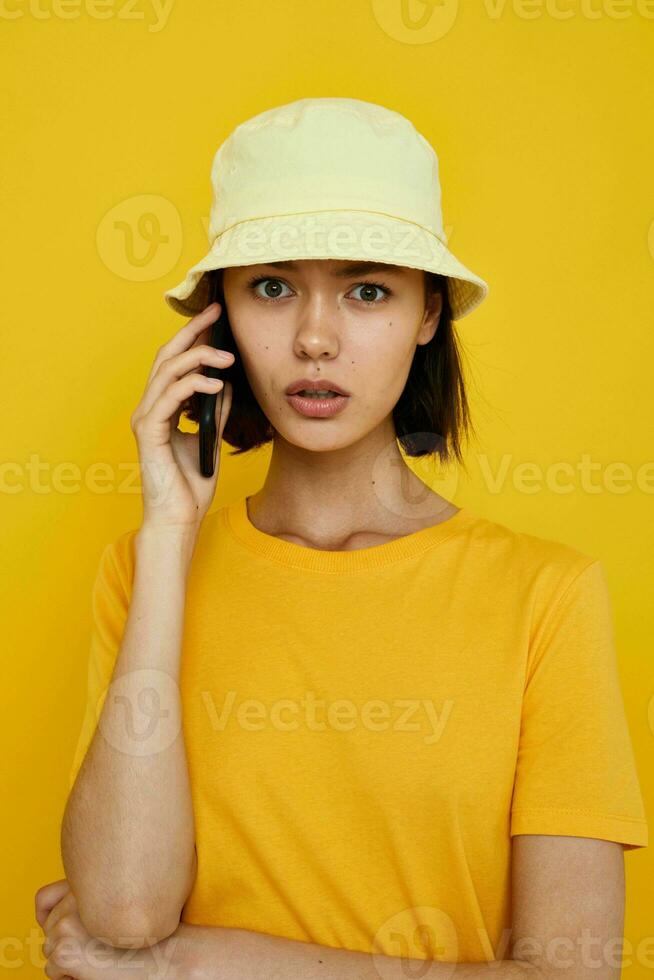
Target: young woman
x,y
349,723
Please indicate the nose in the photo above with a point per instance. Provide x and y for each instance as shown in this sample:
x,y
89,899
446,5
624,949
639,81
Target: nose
x,y
316,335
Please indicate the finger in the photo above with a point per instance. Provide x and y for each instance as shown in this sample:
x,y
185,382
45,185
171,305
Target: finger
x,y
156,422
186,443
226,363
48,896
223,408
203,338
62,908
55,972
180,365
183,339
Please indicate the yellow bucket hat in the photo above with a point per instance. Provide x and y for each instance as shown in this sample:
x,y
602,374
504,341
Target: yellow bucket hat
x,y
327,178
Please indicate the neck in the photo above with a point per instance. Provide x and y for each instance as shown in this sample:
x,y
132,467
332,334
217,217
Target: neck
x,y
326,498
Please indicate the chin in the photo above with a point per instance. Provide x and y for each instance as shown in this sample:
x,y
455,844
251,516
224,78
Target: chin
x,y
320,442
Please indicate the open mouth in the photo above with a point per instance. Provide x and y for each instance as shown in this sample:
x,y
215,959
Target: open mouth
x,y
317,403
314,393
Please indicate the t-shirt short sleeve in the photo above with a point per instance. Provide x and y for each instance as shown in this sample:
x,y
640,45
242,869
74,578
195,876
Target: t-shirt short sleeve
x,y
575,770
110,599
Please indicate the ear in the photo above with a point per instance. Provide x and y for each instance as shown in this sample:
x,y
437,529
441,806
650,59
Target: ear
x,y
431,318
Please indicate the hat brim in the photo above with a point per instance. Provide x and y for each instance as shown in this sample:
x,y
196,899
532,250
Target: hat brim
x,y
343,235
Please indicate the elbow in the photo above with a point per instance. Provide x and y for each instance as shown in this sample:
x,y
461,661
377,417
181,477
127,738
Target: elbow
x,y
131,929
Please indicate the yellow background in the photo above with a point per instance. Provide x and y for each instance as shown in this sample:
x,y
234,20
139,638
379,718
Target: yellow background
x,y
111,119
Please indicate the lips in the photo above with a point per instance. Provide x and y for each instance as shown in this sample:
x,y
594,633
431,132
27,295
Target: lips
x,y
315,384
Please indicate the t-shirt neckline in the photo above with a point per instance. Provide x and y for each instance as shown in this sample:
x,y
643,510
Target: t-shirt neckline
x,y
315,559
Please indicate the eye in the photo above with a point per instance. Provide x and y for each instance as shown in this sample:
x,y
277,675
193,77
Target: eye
x,y
277,284
369,287
253,283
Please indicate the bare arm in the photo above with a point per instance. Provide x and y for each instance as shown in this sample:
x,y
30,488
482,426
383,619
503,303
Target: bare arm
x,y
220,953
568,914
127,836
568,905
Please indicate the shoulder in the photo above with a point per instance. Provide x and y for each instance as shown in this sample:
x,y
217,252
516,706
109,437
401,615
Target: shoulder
x,y
534,564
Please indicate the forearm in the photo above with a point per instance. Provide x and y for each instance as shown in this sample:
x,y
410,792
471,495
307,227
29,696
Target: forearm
x,y
127,836
218,953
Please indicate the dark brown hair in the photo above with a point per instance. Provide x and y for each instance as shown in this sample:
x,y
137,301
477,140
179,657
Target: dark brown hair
x,y
432,415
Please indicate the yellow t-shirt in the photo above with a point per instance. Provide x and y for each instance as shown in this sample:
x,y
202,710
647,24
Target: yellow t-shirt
x,y
366,730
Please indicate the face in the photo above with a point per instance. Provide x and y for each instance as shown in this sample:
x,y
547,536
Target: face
x,y
355,324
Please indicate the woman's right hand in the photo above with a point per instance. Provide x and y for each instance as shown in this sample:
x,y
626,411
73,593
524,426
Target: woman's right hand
x,y
175,494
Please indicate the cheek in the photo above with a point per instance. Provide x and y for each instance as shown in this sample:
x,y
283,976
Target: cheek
x,y
383,362
263,361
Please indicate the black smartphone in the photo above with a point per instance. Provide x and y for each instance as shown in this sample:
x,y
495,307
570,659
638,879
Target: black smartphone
x,y
206,402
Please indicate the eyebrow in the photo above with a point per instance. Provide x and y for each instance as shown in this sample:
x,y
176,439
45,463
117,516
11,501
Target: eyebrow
x,y
345,272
